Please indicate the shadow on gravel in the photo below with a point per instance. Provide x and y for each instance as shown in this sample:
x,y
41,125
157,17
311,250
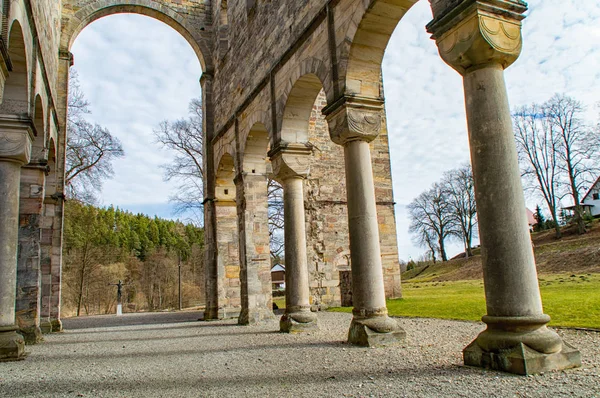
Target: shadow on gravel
x,y
193,351
146,318
116,329
167,330
168,386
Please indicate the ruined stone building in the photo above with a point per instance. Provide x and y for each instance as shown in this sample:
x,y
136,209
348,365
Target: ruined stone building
x,y
291,89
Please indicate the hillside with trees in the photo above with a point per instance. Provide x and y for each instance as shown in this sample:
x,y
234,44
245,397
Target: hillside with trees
x,y
105,245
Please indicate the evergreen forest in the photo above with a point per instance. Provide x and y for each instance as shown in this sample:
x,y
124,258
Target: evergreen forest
x,y
103,246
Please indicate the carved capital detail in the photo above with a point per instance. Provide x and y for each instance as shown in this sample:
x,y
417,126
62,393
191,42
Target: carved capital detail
x,y
290,161
480,35
354,119
16,138
66,55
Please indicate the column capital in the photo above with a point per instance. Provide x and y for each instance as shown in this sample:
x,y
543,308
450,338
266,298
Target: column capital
x,y
478,33
66,55
206,78
290,160
354,119
16,137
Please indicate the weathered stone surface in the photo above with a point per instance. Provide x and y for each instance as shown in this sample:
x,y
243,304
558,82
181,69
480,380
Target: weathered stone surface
x,y
521,359
373,332
12,345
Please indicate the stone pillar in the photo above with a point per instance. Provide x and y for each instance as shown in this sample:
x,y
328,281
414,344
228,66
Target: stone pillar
x,y
211,280
290,168
46,266
15,151
29,275
55,204
479,42
255,257
353,123
50,262
228,302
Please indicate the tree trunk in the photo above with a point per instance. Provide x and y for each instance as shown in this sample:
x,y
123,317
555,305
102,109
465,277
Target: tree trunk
x,y
81,280
556,224
443,250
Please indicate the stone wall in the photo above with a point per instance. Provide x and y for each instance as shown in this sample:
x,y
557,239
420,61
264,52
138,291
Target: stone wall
x,y
47,20
276,25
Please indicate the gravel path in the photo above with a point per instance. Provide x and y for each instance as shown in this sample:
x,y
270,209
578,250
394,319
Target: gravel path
x,y
174,355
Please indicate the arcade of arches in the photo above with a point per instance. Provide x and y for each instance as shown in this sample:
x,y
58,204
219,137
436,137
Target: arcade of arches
x,y
290,88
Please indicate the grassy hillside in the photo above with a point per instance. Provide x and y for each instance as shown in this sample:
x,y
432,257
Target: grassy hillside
x,y
574,254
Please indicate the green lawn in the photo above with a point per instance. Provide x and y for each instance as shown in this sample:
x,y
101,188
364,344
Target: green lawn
x,y
571,300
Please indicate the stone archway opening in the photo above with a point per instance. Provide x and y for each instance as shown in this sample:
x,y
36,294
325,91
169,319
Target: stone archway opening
x,y
132,89
15,100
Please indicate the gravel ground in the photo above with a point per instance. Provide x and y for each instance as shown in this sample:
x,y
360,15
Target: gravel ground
x,y
174,355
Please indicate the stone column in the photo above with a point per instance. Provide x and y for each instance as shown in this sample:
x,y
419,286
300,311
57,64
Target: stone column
x,y
353,123
15,151
479,42
290,168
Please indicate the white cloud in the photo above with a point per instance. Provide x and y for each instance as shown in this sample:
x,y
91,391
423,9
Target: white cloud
x,y
136,72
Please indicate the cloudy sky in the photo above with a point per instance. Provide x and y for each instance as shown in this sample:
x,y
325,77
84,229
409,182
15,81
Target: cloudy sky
x,y
137,72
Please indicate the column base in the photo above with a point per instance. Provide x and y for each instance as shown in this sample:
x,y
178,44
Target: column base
x,y
32,335
46,327
520,345
210,314
298,322
56,325
255,316
12,344
377,331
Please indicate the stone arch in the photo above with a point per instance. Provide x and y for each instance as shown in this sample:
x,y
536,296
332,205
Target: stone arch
x,y
101,8
366,39
255,150
15,99
296,113
312,66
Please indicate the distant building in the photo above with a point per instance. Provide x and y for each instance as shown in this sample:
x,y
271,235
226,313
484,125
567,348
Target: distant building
x,y
591,200
278,277
530,219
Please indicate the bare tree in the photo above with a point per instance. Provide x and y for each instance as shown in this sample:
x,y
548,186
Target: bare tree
x,y
184,137
538,146
431,215
576,150
460,194
425,238
91,148
276,220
